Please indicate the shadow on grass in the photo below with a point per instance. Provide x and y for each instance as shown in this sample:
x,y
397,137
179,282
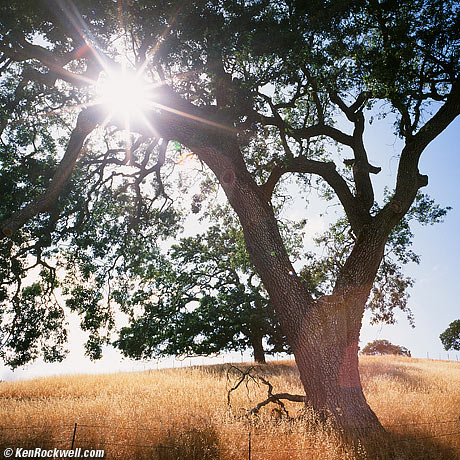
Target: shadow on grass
x,y
193,444
199,443
28,439
410,446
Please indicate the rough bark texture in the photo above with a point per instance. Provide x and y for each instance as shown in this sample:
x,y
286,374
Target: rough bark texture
x,y
257,346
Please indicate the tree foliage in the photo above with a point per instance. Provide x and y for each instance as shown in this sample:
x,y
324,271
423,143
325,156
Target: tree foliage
x,y
260,92
450,338
384,347
205,298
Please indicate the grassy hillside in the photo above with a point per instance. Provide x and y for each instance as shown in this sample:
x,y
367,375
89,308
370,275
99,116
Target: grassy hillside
x,y
183,413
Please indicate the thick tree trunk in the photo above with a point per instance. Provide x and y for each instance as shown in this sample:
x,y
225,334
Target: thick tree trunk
x,y
257,346
327,359
324,334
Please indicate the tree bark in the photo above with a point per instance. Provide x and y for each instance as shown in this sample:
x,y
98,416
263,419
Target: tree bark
x,y
257,346
327,359
323,334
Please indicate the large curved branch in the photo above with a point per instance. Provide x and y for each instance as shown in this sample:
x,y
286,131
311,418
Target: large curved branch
x,y
409,179
200,129
21,50
87,121
356,214
309,131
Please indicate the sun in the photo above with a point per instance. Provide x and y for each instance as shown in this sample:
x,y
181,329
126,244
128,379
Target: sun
x,y
124,94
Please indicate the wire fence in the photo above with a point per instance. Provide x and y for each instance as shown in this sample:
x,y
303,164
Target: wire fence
x,y
175,363
252,442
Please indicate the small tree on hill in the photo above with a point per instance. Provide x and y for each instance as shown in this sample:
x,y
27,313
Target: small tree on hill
x,y
450,338
205,298
384,347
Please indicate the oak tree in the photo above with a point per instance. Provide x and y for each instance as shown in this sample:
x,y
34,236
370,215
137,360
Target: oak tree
x,y
450,338
384,347
258,91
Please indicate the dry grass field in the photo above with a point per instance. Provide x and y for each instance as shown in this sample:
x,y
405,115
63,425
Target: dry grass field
x,y
183,413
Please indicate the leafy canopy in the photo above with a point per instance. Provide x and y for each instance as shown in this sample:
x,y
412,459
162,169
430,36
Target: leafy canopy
x,y
87,198
450,338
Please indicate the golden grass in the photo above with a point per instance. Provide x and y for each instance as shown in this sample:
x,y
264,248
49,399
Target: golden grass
x,y
182,413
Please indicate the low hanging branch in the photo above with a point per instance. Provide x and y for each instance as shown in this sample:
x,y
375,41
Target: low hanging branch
x,y
87,121
246,376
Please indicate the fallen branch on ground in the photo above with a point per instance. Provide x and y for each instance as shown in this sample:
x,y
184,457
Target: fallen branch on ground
x,y
276,398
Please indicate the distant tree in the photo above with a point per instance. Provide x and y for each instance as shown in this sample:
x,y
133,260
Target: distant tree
x,y
205,298
450,338
384,347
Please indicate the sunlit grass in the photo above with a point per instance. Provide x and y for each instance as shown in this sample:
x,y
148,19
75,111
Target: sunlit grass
x,y
183,413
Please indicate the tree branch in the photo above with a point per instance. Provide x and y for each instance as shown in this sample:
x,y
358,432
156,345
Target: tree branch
x,y
360,164
86,122
24,51
246,376
309,131
356,214
349,111
409,179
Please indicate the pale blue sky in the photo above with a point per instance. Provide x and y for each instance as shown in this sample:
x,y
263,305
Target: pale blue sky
x,y
435,296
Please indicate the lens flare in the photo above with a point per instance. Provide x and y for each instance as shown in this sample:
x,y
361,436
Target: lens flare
x,y
124,94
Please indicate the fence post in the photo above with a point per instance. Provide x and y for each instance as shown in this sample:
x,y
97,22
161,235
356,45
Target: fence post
x,y
249,446
74,435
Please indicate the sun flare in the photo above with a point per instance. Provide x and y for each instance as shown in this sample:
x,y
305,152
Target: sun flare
x,y
125,94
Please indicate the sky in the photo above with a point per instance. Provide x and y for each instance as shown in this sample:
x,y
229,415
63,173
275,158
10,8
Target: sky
x,y
434,298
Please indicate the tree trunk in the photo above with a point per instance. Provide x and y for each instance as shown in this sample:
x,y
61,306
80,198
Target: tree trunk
x,y
259,353
323,334
327,359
